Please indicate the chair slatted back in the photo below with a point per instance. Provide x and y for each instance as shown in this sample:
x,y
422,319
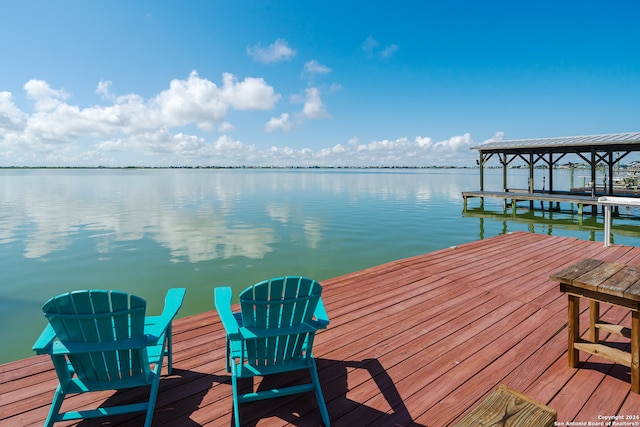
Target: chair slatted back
x,y
92,322
276,311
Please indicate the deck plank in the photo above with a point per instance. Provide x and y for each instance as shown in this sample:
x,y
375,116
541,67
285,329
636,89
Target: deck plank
x,y
418,341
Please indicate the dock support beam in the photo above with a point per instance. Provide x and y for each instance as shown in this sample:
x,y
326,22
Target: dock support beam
x,y
594,165
531,184
481,173
580,208
505,163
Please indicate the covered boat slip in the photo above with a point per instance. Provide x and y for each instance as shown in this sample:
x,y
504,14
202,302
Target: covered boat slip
x,y
606,149
595,150
415,342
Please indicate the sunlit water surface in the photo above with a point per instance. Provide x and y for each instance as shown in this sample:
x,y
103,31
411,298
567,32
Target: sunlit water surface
x,y
145,231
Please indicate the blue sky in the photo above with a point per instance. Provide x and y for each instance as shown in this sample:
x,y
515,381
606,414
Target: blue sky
x,y
342,83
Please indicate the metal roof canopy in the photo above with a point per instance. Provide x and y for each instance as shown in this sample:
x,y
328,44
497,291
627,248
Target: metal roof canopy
x,y
593,149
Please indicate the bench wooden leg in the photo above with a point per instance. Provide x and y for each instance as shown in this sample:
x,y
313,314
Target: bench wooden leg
x,y
574,330
594,317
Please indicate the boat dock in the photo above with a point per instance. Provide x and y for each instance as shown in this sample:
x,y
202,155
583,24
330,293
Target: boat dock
x,y
413,342
593,150
513,197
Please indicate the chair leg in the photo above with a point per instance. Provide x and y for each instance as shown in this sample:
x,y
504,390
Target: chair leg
x,y
229,360
56,404
236,408
321,404
169,349
153,395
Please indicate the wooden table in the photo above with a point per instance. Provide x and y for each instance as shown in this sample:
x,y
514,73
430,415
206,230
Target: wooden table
x,y
610,283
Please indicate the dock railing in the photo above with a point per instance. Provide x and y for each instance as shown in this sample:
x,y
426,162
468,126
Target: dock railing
x,y
608,202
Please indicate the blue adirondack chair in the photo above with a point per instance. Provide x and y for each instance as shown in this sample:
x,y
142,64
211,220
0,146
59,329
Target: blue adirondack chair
x,y
273,333
101,340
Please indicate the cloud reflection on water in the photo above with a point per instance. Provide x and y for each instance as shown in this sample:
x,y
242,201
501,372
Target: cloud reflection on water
x,y
198,215
191,217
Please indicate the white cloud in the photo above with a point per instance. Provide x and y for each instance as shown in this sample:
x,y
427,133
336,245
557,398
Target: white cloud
x,y
127,130
11,118
126,122
497,137
314,108
226,127
314,67
424,142
283,123
46,99
371,47
455,144
388,51
399,152
103,89
277,51
200,101
250,94
421,151
338,148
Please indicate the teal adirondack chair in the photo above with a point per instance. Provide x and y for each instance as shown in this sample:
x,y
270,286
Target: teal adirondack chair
x,y
101,340
273,333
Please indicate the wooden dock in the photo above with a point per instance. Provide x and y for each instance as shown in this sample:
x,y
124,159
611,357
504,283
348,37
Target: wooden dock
x,y
414,342
513,197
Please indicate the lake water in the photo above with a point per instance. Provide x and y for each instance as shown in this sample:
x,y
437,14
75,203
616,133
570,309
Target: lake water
x,y
145,231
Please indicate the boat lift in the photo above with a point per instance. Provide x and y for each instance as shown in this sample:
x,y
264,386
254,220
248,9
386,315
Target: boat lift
x,y
608,202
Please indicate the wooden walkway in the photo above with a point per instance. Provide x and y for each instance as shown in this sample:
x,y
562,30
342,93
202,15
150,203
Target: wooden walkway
x,y
415,342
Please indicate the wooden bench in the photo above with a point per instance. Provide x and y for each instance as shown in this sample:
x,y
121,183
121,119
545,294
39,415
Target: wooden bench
x,y
611,283
508,407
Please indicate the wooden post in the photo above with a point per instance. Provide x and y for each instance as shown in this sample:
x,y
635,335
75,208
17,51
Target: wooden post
x,y
594,208
550,172
610,189
531,186
481,164
504,173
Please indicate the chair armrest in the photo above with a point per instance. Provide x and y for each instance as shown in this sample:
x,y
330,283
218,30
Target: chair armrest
x,y
45,340
320,314
172,303
222,301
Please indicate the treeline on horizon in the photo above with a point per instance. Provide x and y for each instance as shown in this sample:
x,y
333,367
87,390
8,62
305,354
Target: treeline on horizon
x,y
238,167
631,166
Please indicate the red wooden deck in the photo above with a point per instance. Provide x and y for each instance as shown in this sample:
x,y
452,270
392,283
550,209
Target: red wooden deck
x,y
414,342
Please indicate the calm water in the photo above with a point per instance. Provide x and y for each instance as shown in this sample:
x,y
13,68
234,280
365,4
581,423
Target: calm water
x,y
144,231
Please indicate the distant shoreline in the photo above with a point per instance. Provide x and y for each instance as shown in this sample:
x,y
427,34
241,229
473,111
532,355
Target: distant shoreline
x,y
574,166
239,167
